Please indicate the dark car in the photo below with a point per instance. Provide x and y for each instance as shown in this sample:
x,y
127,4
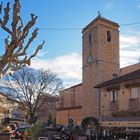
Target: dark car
x,y
58,127
54,127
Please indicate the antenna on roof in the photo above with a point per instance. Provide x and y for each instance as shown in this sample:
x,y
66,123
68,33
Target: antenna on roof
x,y
99,13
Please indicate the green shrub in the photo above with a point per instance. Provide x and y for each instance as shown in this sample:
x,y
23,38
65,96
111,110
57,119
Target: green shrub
x,y
90,123
37,130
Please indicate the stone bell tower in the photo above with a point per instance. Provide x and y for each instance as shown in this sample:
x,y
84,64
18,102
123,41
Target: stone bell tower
x,y
100,60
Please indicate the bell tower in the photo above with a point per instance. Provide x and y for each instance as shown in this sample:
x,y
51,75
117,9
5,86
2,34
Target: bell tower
x,y
100,47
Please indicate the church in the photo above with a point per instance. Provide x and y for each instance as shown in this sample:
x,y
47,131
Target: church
x,y
108,93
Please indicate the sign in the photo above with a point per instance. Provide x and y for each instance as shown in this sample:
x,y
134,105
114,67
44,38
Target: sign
x,y
120,123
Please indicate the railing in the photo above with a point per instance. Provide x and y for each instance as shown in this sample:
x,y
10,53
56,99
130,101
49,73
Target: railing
x,y
134,103
69,107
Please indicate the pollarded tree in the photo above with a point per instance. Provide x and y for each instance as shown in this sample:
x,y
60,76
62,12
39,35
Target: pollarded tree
x,y
17,41
35,90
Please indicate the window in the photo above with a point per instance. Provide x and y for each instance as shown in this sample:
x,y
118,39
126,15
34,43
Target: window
x,y
114,94
108,36
62,101
134,93
89,38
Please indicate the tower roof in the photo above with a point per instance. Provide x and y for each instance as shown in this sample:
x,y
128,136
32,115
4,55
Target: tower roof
x,y
101,19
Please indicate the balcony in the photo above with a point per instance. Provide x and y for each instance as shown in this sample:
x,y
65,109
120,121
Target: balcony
x,y
68,107
114,105
134,103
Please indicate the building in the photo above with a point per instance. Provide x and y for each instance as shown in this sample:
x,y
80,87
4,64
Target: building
x,y
8,108
70,105
104,85
120,100
48,109
100,60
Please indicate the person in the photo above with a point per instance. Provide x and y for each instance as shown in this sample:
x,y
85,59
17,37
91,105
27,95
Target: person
x,y
14,134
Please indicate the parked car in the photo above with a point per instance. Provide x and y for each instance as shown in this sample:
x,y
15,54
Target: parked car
x,y
22,130
54,127
58,127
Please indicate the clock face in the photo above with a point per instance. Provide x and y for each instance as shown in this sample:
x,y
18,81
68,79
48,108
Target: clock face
x,y
90,59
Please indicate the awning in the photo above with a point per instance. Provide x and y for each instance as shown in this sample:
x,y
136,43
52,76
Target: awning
x,y
120,123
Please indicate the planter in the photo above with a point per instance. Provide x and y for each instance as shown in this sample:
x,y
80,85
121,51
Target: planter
x,y
43,138
82,138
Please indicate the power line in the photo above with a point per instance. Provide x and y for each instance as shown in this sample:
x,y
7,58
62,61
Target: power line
x,y
79,28
128,24
60,29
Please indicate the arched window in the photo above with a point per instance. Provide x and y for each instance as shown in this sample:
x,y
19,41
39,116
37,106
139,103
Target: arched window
x,y
108,36
114,94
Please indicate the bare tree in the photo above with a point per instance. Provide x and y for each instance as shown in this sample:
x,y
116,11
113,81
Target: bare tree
x,y
33,89
16,43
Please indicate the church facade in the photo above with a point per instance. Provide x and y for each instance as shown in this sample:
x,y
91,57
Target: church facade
x,y
107,92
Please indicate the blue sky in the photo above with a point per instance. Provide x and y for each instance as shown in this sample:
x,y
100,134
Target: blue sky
x,y
63,48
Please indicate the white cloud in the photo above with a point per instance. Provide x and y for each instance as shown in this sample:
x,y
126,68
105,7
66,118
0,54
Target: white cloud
x,y
129,49
127,41
129,57
68,67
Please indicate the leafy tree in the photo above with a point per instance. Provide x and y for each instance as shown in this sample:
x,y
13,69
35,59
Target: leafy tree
x,y
34,90
92,124
17,42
